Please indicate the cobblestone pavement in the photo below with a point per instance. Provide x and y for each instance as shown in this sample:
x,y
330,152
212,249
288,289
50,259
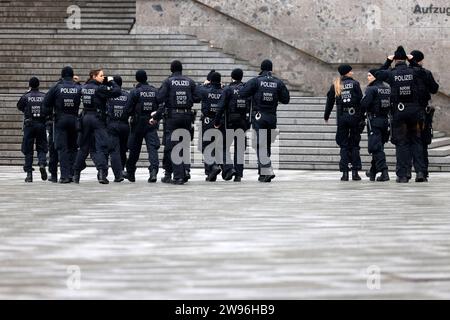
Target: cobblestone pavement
x,y
305,235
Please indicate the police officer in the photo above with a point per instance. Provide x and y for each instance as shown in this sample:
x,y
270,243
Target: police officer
x,y
266,92
237,116
118,130
177,95
210,97
347,94
34,131
63,100
408,115
377,104
95,94
142,103
429,87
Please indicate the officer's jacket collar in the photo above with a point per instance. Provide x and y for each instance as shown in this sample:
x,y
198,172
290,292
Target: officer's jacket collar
x,y
401,65
347,78
216,85
140,84
34,89
265,73
375,82
177,74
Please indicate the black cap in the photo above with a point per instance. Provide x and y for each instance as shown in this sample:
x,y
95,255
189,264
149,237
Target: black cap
x,y
34,83
208,77
344,69
417,55
374,72
400,54
216,78
118,80
176,66
266,65
141,76
237,74
67,72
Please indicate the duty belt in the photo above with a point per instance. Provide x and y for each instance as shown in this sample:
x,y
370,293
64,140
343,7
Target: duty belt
x,y
351,110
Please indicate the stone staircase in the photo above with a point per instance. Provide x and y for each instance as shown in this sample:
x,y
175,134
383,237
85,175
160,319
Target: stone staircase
x,y
34,40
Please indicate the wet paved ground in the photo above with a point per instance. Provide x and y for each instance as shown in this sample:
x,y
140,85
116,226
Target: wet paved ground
x,y
305,235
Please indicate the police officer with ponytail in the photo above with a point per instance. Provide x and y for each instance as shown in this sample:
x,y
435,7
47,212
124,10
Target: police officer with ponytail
x,y
142,103
346,93
408,115
34,131
95,93
377,104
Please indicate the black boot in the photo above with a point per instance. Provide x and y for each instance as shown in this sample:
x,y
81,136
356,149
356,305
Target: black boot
x,y
384,176
187,175
167,177
229,175
76,177
402,180
371,175
212,176
102,177
153,176
344,176
119,178
420,177
178,181
355,175
29,177
65,180
43,173
237,178
129,176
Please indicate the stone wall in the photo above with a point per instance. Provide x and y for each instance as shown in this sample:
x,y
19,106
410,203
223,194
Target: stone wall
x,y
308,39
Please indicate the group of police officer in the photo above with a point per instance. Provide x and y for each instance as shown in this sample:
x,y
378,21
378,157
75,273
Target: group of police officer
x,y
114,121
395,105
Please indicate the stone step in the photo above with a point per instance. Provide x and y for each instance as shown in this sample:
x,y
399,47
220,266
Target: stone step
x,y
95,37
64,31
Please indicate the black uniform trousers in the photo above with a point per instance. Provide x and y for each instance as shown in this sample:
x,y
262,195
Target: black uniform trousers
x,y
348,137
378,135
237,122
92,127
34,132
141,131
118,132
175,121
52,152
407,137
66,142
264,123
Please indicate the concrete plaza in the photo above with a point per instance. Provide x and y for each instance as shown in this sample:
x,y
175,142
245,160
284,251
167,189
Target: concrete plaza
x,y
305,235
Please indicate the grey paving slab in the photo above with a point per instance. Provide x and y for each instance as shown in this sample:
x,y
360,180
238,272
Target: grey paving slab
x,y
305,235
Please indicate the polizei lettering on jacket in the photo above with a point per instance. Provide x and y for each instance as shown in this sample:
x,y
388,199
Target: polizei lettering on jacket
x,y
69,90
214,96
148,94
406,77
86,91
180,83
267,84
35,99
